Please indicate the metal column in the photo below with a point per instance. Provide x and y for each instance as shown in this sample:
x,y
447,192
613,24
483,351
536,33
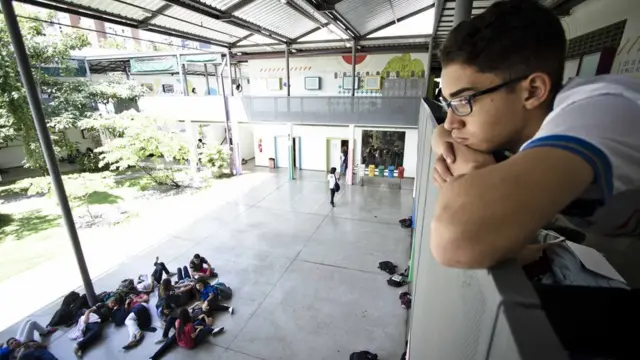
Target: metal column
x,y
286,62
462,11
206,78
227,116
215,70
86,65
353,68
230,72
184,80
45,141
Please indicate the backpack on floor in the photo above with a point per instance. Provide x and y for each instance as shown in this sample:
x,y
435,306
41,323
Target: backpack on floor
x,y
70,299
126,285
224,292
397,281
363,355
388,267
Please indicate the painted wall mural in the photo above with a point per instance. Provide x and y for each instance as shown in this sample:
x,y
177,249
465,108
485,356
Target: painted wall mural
x,y
628,58
398,67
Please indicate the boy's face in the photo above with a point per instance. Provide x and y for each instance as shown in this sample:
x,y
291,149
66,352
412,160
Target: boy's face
x,y
199,286
497,119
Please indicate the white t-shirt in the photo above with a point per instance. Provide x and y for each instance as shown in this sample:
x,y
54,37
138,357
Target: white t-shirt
x,y
598,119
332,181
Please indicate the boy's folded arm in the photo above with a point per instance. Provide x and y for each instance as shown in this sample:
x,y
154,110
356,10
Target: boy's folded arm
x,y
490,214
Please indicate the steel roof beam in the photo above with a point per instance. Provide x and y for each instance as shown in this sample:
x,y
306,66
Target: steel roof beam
x,y
157,12
401,18
241,39
217,14
119,20
323,10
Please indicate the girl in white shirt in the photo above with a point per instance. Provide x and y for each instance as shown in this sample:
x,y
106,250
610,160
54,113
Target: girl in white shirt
x,y
332,184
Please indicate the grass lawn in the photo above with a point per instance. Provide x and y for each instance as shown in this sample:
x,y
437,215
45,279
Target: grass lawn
x,y
31,229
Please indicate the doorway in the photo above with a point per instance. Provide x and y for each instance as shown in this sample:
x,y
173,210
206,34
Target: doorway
x,y
334,152
282,152
295,154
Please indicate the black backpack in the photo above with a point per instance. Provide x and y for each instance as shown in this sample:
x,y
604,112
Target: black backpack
x,y
224,292
397,281
388,267
336,187
363,355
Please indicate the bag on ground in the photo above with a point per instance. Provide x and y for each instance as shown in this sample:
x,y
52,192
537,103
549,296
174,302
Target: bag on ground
x,y
363,355
224,291
397,281
388,267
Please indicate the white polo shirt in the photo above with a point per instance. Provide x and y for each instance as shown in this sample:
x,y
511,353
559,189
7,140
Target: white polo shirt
x,y
598,119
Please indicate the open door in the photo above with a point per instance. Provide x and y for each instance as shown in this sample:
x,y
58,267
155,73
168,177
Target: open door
x,y
297,145
282,152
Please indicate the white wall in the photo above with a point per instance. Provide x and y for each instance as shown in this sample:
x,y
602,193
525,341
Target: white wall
x,y
13,156
410,148
313,144
266,133
594,14
247,141
324,67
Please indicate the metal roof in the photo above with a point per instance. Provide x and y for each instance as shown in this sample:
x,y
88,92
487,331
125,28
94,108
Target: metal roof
x,y
254,25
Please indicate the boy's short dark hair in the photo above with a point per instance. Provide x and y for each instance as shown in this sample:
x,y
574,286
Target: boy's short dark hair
x,y
511,38
196,256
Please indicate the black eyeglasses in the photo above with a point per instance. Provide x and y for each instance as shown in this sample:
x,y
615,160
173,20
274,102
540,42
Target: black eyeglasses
x,y
463,105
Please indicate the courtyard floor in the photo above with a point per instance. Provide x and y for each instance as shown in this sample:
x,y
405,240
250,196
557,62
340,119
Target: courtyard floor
x,y
304,275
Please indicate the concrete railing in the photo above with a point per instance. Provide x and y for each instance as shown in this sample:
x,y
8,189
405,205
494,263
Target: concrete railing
x,y
371,111
468,314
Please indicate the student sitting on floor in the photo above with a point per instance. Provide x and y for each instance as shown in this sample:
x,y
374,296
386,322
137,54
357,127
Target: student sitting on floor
x,y
25,335
200,267
88,331
172,297
188,333
134,317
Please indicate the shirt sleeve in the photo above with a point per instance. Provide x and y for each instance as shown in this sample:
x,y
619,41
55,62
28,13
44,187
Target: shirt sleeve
x,y
603,131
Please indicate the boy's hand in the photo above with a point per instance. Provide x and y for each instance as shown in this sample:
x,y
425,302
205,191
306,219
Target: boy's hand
x,y
457,160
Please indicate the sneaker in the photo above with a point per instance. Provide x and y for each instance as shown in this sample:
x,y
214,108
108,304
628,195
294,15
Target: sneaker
x,y
230,310
135,342
50,331
217,330
77,352
160,340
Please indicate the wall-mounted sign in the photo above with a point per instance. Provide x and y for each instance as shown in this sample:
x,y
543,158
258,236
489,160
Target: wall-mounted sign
x,y
372,82
215,59
347,82
312,83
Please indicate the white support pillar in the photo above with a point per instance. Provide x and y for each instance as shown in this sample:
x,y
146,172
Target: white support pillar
x,y
291,150
351,154
193,147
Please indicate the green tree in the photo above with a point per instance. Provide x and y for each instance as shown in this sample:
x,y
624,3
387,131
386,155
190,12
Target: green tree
x,y
16,122
142,142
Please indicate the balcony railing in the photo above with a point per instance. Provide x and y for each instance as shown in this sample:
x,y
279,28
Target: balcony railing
x,y
469,314
364,111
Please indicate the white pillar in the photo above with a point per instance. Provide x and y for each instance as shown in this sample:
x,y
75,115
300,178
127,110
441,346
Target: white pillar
x,y
193,146
351,153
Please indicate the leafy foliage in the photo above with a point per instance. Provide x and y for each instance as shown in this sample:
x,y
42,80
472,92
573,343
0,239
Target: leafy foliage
x,y
43,49
142,142
90,162
71,101
215,158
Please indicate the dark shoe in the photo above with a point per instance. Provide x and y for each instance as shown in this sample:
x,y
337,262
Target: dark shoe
x,y
50,331
77,352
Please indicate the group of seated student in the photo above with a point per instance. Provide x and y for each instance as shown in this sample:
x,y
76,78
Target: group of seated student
x,y
131,308
24,346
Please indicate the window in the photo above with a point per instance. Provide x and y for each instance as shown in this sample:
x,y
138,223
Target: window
x,y
382,148
167,88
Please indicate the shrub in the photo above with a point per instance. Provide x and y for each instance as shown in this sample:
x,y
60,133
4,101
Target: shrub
x,y
90,162
215,158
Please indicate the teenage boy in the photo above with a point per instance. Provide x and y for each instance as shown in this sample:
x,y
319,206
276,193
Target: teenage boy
x,y
502,88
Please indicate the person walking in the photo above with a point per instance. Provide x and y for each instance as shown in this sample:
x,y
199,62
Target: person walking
x,y
332,184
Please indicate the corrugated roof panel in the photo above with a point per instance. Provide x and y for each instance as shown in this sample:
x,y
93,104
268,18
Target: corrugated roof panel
x,y
310,10
219,4
122,9
256,39
369,15
216,30
277,17
419,24
324,34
